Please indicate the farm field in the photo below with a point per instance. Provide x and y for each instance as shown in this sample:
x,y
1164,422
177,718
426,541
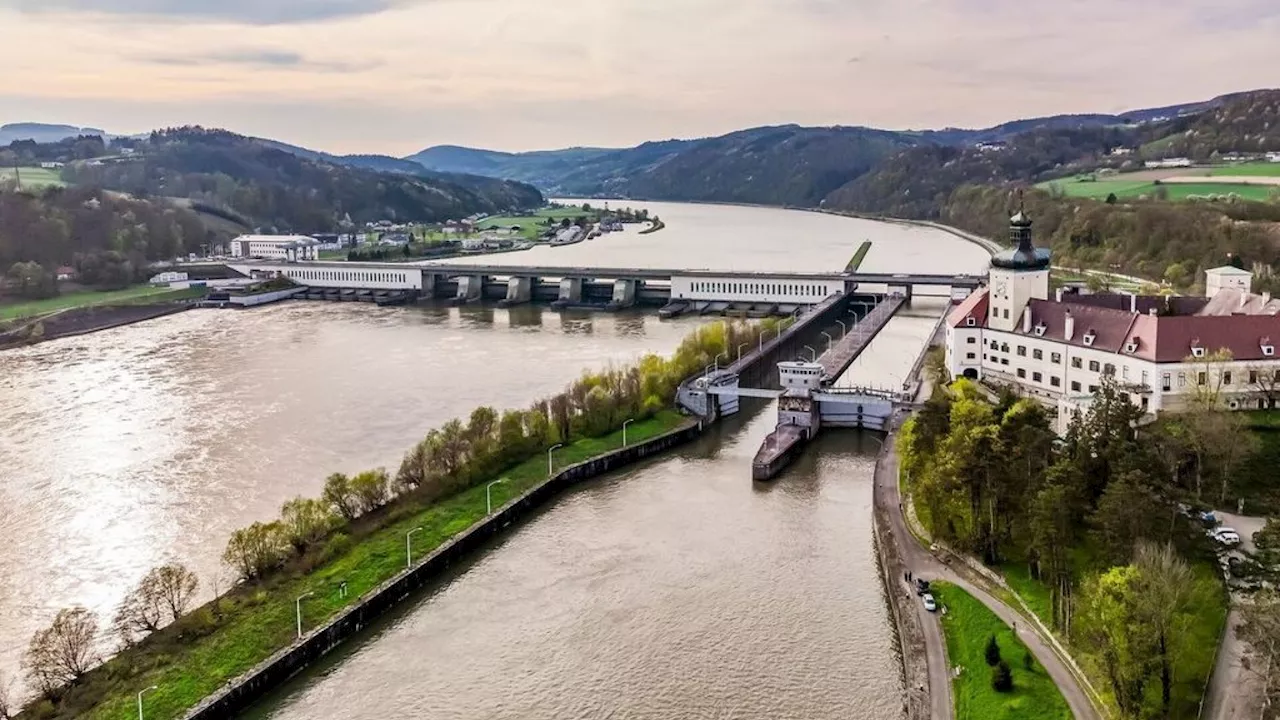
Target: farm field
x,y
32,177
1259,169
1131,189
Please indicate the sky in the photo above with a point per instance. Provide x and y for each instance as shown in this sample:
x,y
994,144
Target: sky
x,y
396,76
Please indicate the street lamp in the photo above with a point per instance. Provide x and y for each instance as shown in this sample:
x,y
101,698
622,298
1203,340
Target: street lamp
x,y
488,497
740,350
145,690
762,334
408,547
553,448
298,606
624,431
828,337
717,358
815,352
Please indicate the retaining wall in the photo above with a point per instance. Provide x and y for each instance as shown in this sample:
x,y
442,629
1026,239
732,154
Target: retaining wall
x,y
274,671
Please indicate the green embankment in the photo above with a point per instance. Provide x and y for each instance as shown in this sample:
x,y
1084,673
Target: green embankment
x,y
137,294
967,625
194,657
856,261
655,227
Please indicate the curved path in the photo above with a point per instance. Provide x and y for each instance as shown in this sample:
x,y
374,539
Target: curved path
x,y
924,564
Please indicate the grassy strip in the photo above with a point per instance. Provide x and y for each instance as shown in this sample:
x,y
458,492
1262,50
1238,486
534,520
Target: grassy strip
x,y
657,225
967,625
199,654
856,261
89,298
1263,169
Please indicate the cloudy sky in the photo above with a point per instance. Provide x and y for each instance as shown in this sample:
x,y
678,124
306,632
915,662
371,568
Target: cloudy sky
x,y
394,76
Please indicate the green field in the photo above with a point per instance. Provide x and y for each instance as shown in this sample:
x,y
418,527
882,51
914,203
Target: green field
x,y
199,654
1259,169
32,177
1133,189
88,298
531,226
967,625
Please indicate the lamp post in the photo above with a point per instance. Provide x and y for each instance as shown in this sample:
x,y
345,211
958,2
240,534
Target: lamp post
x,y
145,690
624,431
550,467
488,495
717,358
408,547
844,329
762,334
828,337
298,607
815,352
740,350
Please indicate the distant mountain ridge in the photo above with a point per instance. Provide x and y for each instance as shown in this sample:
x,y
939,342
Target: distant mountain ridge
x,y
43,132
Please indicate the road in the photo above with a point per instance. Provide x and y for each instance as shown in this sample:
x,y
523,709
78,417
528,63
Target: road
x,y
924,564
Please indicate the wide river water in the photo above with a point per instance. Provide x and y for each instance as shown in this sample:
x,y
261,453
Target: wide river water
x,y
675,588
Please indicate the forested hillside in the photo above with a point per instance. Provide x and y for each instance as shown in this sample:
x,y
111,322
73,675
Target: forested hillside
x,y
282,191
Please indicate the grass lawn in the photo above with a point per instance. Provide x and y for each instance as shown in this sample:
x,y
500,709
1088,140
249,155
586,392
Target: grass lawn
x,y
89,298
1264,169
858,256
1130,189
32,177
259,620
967,625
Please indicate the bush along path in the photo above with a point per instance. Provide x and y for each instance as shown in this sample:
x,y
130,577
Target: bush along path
x,y
337,547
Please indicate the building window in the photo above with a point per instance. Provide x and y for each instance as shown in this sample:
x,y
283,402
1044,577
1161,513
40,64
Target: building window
x,y
1093,366
1109,369
1022,351
995,313
1093,389
1004,361
1145,403
971,340
1144,377
1166,382
1022,373
969,356
1202,378
1077,363
995,345
1055,358
1055,381
1124,372
1037,377
1075,386
1037,354
1006,313
1253,377
1004,347
1182,380
1226,377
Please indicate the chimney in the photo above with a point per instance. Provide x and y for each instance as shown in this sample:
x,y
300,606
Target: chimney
x,y
1070,327
1026,319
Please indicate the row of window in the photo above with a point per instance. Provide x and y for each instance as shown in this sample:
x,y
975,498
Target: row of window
x,y
1202,378
347,275
760,288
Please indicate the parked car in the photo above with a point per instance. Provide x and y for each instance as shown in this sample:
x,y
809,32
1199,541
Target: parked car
x,y
929,603
922,586
1226,536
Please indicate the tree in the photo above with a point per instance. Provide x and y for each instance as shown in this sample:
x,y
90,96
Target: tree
x,y
1111,198
254,551
1108,619
1265,381
306,520
413,468
1260,628
9,707
992,651
62,653
1002,677
339,495
372,489
138,615
1165,592
176,585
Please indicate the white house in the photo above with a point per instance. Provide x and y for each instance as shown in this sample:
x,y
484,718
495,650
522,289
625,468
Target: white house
x,y
1227,277
1156,348
276,247
165,278
1273,157
1178,162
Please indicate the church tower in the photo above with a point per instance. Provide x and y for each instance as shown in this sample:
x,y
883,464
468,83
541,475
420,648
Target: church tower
x,y
1017,276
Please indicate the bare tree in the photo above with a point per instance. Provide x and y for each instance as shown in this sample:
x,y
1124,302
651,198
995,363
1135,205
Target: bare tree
x,y
1265,381
62,653
176,586
9,707
1260,627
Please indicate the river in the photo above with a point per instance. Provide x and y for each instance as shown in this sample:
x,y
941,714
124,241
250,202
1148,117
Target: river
x,y
134,446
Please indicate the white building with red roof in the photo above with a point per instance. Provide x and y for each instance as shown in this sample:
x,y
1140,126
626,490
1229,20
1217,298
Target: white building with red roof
x,y
1162,350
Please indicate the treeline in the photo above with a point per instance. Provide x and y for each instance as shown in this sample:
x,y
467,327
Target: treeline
x,y
30,152
1094,519
1249,123
284,192
310,532
108,239
1176,242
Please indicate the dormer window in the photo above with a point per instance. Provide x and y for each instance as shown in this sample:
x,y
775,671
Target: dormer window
x,y
1131,347
970,321
1089,337
1040,330
1197,352
1268,350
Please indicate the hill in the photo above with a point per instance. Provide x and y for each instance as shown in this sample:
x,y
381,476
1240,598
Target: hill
x,y
284,190
43,133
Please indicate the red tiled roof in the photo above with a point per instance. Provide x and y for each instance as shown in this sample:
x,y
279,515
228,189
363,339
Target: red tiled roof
x,y
974,306
1109,327
1242,335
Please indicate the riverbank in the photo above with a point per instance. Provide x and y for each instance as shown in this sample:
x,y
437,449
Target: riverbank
x,y
856,261
82,321
230,637
655,227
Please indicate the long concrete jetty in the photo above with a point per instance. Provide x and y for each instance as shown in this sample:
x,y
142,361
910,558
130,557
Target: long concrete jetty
x,y
842,353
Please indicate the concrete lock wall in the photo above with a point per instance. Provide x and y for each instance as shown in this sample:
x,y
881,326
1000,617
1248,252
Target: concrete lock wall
x,y
624,292
571,289
470,287
274,671
519,289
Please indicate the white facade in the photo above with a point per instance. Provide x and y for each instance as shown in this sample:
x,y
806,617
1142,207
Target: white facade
x,y
1180,162
275,247
1011,290
763,289
353,277
1227,277
165,278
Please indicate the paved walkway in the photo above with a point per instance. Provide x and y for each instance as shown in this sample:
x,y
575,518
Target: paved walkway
x,y
924,564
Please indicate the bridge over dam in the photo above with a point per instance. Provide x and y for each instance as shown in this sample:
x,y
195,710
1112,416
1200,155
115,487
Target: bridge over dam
x,y
806,399
755,294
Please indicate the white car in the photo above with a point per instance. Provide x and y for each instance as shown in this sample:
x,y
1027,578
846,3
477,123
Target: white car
x,y
929,603
1226,536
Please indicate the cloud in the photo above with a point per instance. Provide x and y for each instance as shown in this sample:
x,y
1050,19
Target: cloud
x,y
260,58
248,12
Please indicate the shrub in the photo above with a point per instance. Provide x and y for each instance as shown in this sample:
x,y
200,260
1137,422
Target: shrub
x,y
1002,677
255,550
992,651
1028,661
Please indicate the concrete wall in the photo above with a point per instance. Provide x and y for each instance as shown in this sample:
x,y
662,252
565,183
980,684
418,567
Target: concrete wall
x,y
751,289
274,671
